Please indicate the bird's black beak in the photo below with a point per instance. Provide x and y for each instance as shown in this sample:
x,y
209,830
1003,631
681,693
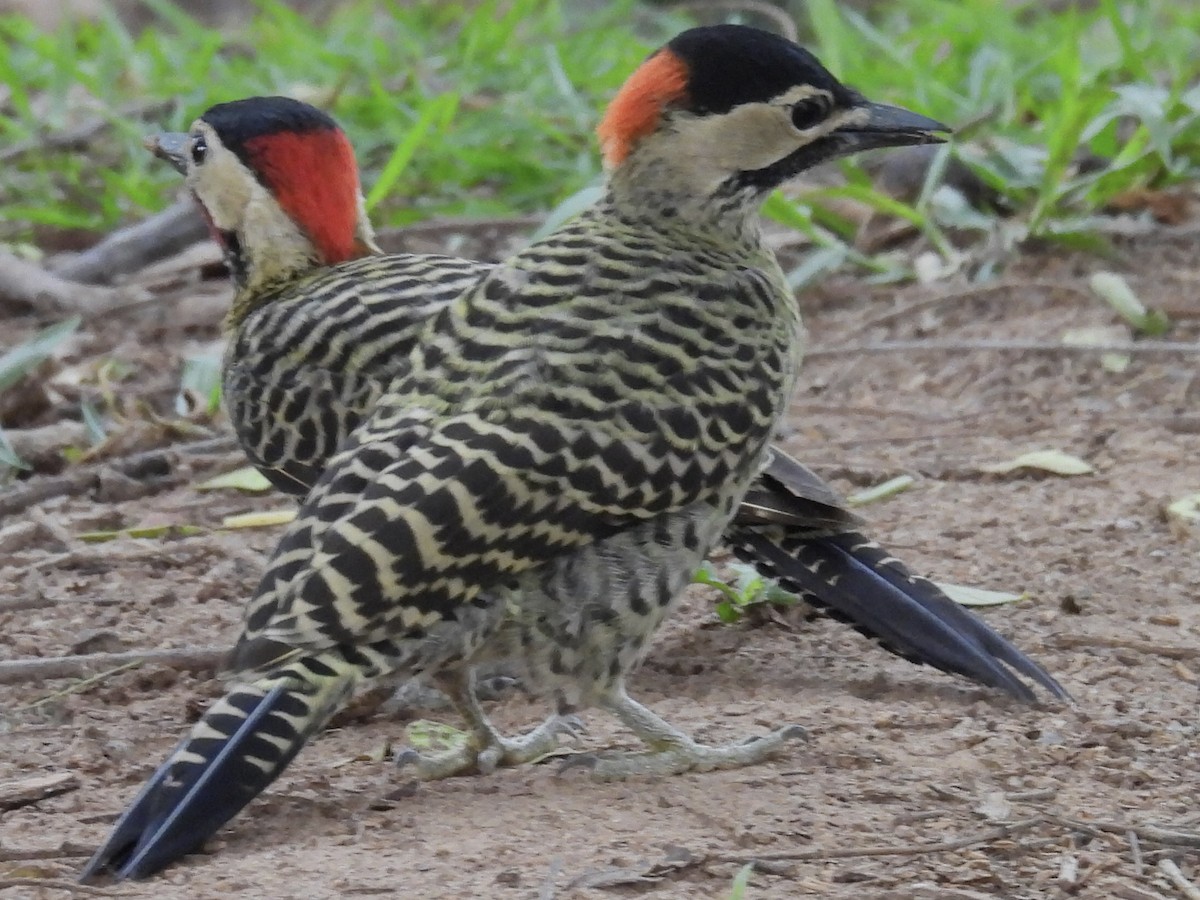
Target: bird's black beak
x,y
887,126
171,146
874,125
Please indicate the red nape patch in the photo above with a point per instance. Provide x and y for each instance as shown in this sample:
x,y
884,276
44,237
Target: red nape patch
x,y
314,177
635,111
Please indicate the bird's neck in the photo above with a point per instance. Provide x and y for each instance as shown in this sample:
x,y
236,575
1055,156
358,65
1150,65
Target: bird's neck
x,y
272,251
682,201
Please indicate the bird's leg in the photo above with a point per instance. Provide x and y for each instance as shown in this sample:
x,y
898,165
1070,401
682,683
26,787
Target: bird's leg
x,y
486,749
670,750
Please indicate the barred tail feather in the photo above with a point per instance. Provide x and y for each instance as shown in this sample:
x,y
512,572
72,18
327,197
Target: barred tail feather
x,y
854,580
242,744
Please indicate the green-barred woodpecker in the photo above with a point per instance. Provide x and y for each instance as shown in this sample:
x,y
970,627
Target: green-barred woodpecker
x,y
524,463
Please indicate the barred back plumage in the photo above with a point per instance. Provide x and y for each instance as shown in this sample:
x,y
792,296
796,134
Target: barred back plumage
x,y
540,442
304,368
306,362
526,466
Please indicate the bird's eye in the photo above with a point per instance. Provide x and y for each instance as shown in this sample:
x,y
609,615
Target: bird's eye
x,y
199,149
808,113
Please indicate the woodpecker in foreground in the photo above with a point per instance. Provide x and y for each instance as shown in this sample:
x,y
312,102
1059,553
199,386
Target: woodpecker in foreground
x,y
305,366
559,446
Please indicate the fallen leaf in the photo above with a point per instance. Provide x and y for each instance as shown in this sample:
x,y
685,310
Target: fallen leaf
x,y
268,518
883,491
1046,460
971,596
1187,508
1116,292
143,531
1182,515
247,478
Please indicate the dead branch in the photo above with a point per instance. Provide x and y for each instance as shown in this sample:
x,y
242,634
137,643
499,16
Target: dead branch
x,y
1150,648
131,249
1150,834
826,853
39,446
27,285
200,659
1177,879
1133,892
147,465
1014,345
22,604
1135,850
971,292
15,794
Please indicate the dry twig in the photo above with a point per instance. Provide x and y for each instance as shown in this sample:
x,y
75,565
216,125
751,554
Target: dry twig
x,y
1178,880
199,659
824,853
131,249
969,292
27,791
1135,850
28,285
148,464
1151,834
41,445
65,850
1151,648
71,887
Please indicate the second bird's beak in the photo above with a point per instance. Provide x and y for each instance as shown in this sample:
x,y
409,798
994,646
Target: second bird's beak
x,y
171,146
889,126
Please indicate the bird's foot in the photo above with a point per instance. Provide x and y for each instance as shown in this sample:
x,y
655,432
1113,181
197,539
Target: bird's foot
x,y
670,750
678,756
483,753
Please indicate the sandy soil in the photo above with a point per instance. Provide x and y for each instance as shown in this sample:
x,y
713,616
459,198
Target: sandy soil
x,y
900,756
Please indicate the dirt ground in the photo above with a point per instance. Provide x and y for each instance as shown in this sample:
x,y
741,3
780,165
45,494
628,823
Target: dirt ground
x,y
900,756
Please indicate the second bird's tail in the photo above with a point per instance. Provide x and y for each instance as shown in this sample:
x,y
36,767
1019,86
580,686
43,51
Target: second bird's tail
x,y
855,580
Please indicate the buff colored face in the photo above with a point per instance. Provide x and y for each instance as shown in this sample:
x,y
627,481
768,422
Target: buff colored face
x,y
279,182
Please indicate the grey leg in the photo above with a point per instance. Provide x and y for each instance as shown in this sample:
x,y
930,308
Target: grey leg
x,y
485,749
670,750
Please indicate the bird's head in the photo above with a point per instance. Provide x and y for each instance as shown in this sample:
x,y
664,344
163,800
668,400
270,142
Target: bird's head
x,y
277,183
732,109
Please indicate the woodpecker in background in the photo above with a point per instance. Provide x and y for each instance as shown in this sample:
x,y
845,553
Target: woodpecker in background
x,y
554,450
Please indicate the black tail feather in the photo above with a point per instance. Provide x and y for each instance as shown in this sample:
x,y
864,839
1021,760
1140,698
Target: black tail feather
x,y
237,749
854,580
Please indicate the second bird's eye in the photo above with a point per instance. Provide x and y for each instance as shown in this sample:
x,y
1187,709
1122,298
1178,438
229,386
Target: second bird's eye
x,y
808,113
199,149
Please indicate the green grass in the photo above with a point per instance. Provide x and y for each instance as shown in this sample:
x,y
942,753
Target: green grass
x,y
465,109
1118,81
488,108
